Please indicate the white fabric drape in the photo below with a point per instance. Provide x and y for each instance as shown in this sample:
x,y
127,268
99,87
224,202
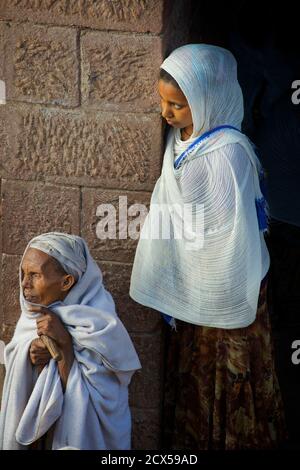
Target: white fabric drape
x,y
213,279
93,413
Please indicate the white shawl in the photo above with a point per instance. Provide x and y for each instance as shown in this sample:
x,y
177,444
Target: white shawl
x,y
93,413
214,278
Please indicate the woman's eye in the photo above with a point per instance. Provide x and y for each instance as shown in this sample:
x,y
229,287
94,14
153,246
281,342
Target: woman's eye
x,y
177,106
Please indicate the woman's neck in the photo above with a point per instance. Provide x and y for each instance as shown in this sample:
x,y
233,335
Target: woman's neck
x,y
186,132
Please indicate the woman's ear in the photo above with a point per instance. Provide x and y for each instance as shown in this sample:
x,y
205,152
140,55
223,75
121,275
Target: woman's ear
x,y
68,282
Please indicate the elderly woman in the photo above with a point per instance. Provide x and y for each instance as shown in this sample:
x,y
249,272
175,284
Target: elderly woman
x,y
209,279
83,398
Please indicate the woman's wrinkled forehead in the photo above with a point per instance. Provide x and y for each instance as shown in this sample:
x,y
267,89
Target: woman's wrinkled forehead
x,y
37,260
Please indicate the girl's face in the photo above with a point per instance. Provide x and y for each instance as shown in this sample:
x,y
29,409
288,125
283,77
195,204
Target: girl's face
x,y
174,105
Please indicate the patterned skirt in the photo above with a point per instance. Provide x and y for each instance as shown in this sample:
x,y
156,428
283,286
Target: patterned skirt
x,y
221,388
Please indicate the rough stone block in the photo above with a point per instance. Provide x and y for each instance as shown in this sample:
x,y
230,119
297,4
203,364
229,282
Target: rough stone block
x,y
6,332
33,208
2,42
85,148
146,429
124,15
1,286
40,64
135,317
146,386
120,72
0,222
99,206
10,292
4,139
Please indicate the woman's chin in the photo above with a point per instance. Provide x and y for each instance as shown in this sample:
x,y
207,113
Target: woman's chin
x,y
31,299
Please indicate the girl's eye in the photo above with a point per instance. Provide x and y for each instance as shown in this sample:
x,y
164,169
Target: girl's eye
x,y
177,106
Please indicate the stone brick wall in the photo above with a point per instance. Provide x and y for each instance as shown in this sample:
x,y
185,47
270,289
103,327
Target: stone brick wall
x,y
81,127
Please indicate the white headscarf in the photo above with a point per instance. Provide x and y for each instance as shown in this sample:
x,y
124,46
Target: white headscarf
x,y
93,413
205,97
216,284
67,249
207,76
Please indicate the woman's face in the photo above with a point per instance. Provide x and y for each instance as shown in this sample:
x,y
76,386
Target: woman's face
x,y
41,281
174,105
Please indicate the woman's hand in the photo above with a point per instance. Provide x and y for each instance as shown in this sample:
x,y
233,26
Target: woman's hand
x,y
50,325
38,353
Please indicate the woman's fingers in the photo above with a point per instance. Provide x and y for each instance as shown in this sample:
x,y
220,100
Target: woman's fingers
x,y
49,324
40,357
39,309
46,321
38,352
38,345
44,328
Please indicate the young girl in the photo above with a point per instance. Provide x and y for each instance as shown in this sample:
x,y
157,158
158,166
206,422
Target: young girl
x,y
211,282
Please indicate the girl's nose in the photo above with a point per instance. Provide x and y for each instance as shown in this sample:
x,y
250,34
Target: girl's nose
x,y
166,111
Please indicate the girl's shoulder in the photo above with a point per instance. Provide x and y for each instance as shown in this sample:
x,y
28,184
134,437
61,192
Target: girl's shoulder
x,y
230,154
